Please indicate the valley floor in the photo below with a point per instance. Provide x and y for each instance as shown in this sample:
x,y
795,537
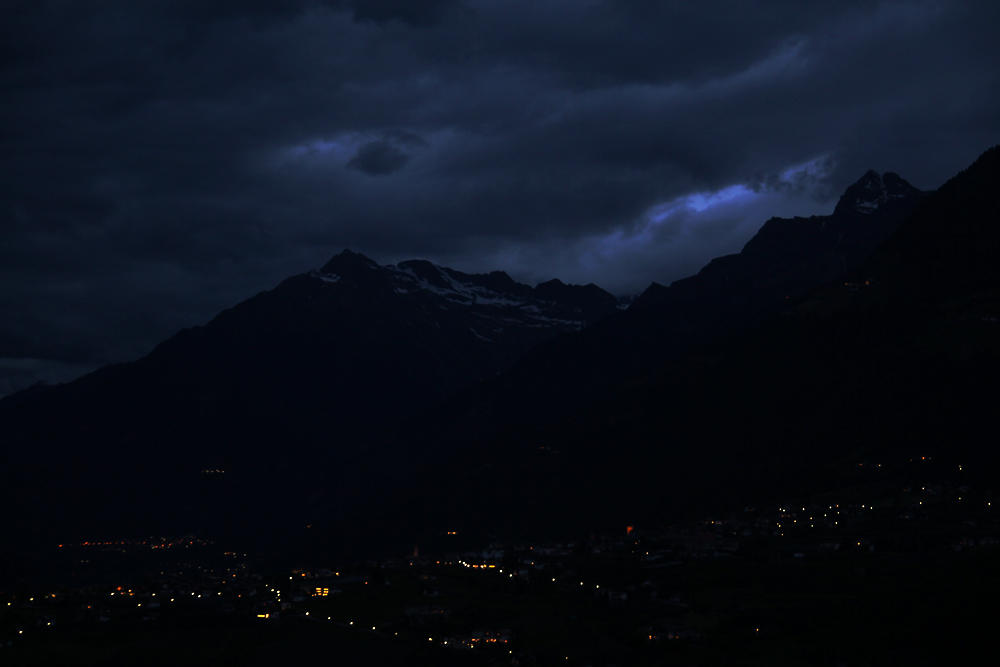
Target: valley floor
x,y
875,574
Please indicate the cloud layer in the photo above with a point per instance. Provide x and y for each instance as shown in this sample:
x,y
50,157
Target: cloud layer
x,y
163,160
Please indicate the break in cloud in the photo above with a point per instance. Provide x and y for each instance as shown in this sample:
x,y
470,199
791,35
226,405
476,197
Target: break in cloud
x,y
163,160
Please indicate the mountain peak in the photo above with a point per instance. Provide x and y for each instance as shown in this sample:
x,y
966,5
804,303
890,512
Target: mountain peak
x,y
494,297
348,260
870,181
951,242
897,188
871,191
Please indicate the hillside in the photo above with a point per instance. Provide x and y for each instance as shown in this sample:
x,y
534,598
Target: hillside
x,y
274,391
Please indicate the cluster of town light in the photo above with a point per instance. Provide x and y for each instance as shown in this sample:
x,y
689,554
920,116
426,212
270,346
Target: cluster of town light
x,y
484,566
162,544
325,591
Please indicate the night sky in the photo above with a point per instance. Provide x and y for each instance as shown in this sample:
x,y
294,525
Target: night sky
x,y
165,159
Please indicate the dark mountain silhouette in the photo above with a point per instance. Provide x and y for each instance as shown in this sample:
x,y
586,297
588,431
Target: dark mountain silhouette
x,y
685,405
755,377
274,390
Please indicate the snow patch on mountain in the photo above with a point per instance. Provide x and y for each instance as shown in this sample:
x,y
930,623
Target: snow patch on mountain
x,y
494,301
480,336
325,277
872,191
447,286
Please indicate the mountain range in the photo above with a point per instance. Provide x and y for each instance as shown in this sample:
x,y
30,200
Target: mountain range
x,y
386,403
685,405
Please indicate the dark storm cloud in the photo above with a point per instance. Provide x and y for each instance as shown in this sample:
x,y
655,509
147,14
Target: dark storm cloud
x,y
386,155
378,157
411,12
162,160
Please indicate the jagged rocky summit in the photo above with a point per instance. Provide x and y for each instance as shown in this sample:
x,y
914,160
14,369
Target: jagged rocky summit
x,y
873,192
790,256
496,302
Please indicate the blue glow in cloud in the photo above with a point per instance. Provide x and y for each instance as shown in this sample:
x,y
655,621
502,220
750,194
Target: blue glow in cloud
x,y
700,201
674,239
